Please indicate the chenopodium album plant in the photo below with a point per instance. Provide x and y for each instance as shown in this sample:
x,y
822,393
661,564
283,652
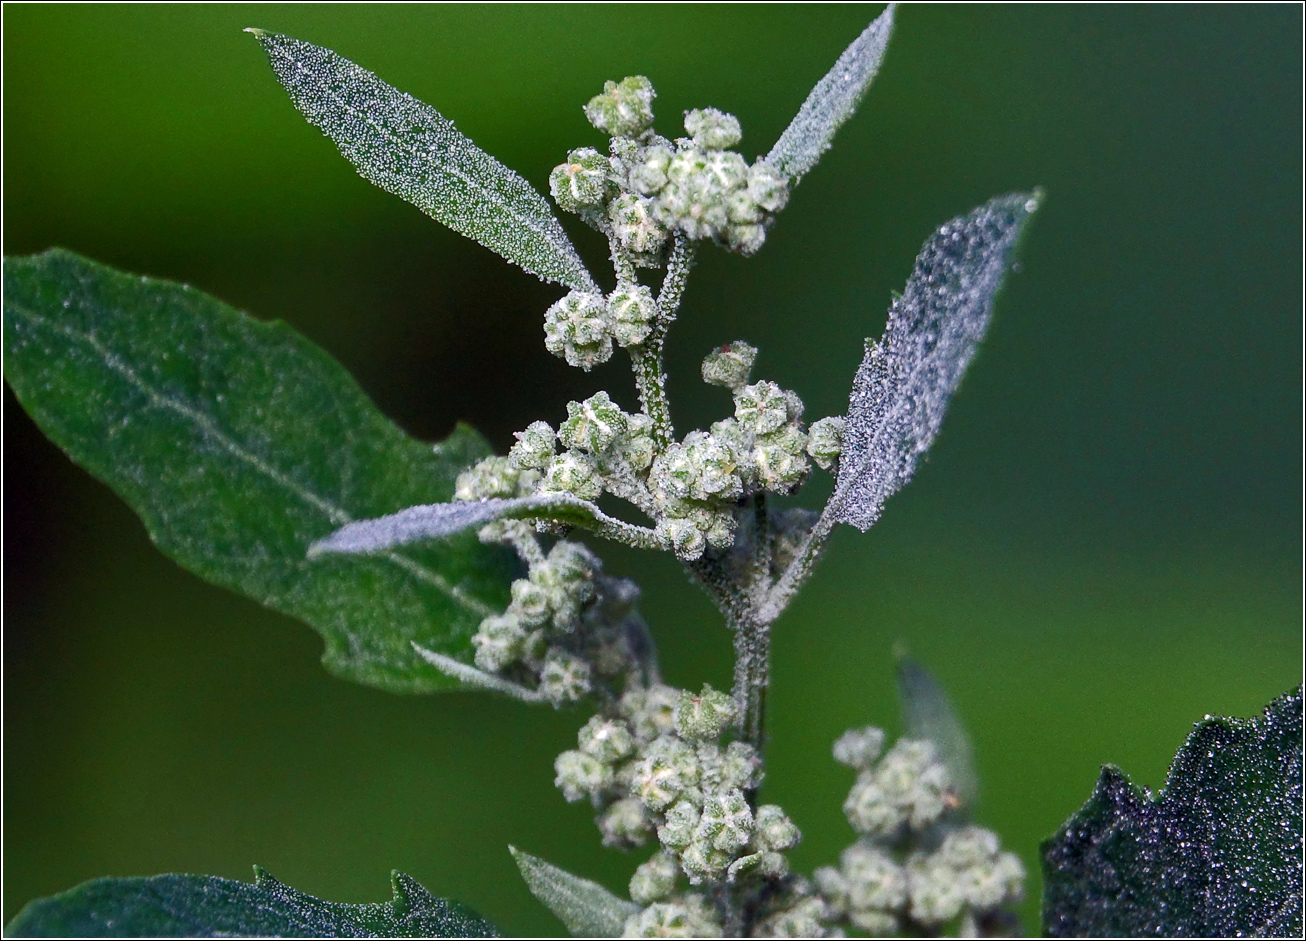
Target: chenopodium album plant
x,y
257,463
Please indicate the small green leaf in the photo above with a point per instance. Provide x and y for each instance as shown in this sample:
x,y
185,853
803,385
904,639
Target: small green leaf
x,y
833,101
586,908
239,444
406,147
209,907
1218,853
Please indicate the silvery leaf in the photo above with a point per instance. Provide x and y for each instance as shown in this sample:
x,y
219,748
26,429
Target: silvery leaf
x,y
408,148
832,101
586,908
906,380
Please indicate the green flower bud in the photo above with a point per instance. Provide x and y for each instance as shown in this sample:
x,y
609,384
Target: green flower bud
x,y
635,226
594,425
742,209
703,862
608,740
858,748
730,365
794,408
918,782
745,237
876,885
688,917
492,477
803,919
726,822
624,109
654,880
638,448
833,887
726,172
625,824
583,182
698,468
498,642
576,329
767,186
668,771
740,767
581,775
680,826
703,716
985,877
574,473
649,173
650,711
825,441
682,537
535,446
564,677
761,408
773,831
530,603
712,129
632,311
778,461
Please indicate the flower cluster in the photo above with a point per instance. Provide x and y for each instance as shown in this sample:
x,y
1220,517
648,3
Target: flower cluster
x,y
915,866
650,187
583,326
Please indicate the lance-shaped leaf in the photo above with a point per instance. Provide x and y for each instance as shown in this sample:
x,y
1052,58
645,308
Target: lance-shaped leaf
x,y
927,714
586,908
406,147
905,381
239,443
182,906
832,101
441,520
1217,854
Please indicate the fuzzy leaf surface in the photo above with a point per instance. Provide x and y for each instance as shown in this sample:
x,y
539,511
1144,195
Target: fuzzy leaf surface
x,y
183,906
1218,853
407,148
832,101
441,520
586,908
239,443
906,379
928,714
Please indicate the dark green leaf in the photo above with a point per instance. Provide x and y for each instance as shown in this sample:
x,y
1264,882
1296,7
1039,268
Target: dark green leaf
x,y
1218,853
586,908
408,148
240,443
209,907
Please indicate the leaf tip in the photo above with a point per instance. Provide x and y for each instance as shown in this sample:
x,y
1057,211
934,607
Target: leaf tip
x,y
255,31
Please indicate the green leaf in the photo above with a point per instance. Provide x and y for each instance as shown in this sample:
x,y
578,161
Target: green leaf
x,y
240,443
406,147
833,101
586,908
209,907
1218,853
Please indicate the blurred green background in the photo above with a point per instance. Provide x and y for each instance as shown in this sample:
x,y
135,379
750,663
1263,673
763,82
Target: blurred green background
x,y
1103,546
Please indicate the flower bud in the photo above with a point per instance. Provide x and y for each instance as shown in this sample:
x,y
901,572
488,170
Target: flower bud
x,y
624,109
825,441
649,710
498,642
530,602
740,767
625,824
680,826
688,917
858,748
761,408
576,329
594,425
654,880
632,312
574,473
773,831
876,885
703,716
583,182
535,446
703,862
492,477
778,461
682,537
564,677
726,822
767,186
608,740
712,129
649,173
668,771
635,226
730,365
802,919
638,448
581,775
745,237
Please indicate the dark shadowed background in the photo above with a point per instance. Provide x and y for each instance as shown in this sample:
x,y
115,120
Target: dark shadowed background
x,y
1103,546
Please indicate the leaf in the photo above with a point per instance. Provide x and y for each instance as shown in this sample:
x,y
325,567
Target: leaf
x,y
927,714
905,381
1218,853
586,908
240,443
440,520
832,101
407,148
210,907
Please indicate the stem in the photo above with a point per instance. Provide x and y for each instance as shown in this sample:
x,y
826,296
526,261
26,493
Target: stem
x,y
651,381
752,673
